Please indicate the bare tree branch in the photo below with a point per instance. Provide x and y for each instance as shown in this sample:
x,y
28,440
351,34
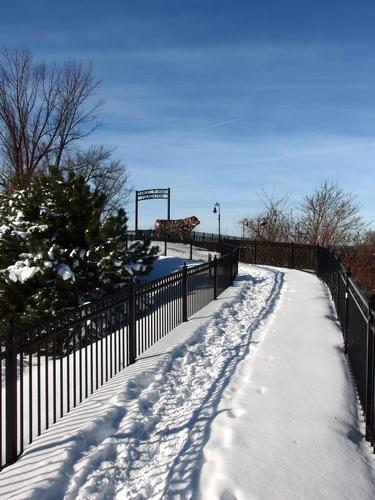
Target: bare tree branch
x,y
43,112
103,173
330,216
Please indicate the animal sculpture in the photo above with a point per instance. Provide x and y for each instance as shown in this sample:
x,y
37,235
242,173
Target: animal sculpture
x,y
179,228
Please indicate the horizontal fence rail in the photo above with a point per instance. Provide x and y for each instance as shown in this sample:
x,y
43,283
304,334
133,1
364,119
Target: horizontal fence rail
x,y
48,369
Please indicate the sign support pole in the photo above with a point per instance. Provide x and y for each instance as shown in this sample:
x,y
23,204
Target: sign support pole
x,y
169,203
136,213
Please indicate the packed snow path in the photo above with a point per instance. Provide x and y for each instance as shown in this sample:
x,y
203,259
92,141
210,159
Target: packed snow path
x,y
251,399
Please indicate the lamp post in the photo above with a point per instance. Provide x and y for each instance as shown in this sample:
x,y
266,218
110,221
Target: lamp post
x,y
245,224
217,210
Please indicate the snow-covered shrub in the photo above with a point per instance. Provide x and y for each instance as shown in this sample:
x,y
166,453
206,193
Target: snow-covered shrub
x,y
57,252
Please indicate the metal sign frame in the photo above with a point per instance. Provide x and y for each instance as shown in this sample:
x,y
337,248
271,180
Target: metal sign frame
x,y
152,194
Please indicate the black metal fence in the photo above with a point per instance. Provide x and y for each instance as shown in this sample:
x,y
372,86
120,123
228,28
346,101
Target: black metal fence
x,y
280,254
49,368
356,314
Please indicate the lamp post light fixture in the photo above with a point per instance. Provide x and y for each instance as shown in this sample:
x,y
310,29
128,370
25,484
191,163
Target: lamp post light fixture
x,y
216,210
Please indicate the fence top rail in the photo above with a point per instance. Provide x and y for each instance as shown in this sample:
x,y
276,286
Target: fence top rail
x,y
209,237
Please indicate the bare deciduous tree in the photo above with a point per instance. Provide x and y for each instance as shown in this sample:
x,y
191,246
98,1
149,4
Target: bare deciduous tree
x,y
274,223
43,112
103,173
330,216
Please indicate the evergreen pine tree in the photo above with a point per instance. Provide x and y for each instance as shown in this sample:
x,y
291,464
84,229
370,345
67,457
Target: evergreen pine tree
x,y
56,252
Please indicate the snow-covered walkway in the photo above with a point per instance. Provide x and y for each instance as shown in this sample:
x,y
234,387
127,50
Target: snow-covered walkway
x,y
251,399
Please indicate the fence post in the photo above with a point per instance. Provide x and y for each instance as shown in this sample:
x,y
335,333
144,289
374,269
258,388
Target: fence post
x,y
132,324
331,271
318,261
215,277
184,294
11,397
255,251
370,392
292,249
165,248
338,287
191,251
232,267
237,258
348,273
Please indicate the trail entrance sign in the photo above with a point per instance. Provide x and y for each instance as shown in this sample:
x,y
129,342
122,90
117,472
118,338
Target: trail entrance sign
x,y
152,194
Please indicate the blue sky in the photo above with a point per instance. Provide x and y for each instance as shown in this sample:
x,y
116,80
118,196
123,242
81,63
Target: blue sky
x,y
221,100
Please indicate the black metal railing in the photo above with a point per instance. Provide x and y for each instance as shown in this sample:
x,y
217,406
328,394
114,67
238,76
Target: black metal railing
x,y
280,254
49,368
356,314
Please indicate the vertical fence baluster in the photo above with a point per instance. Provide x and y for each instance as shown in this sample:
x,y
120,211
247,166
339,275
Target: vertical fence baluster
x,y
106,333
54,380
184,294
80,361
74,368
39,394
101,350
86,341
148,297
346,329
91,358
67,355
46,384
132,324
1,407
61,348
118,333
21,403
30,398
96,353
215,278
110,343
11,397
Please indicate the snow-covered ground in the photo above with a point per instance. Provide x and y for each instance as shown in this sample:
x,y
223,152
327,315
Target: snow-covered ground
x,y
251,399
183,251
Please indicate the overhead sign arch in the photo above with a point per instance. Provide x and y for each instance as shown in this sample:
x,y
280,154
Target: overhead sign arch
x,y
152,194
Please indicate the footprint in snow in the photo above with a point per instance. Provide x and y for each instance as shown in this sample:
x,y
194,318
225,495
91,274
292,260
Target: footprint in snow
x,y
236,412
227,495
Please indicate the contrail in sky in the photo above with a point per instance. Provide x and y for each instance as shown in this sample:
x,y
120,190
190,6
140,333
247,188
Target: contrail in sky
x,y
192,132
214,125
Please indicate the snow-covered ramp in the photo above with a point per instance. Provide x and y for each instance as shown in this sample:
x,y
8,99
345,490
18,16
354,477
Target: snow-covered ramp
x,y
251,399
